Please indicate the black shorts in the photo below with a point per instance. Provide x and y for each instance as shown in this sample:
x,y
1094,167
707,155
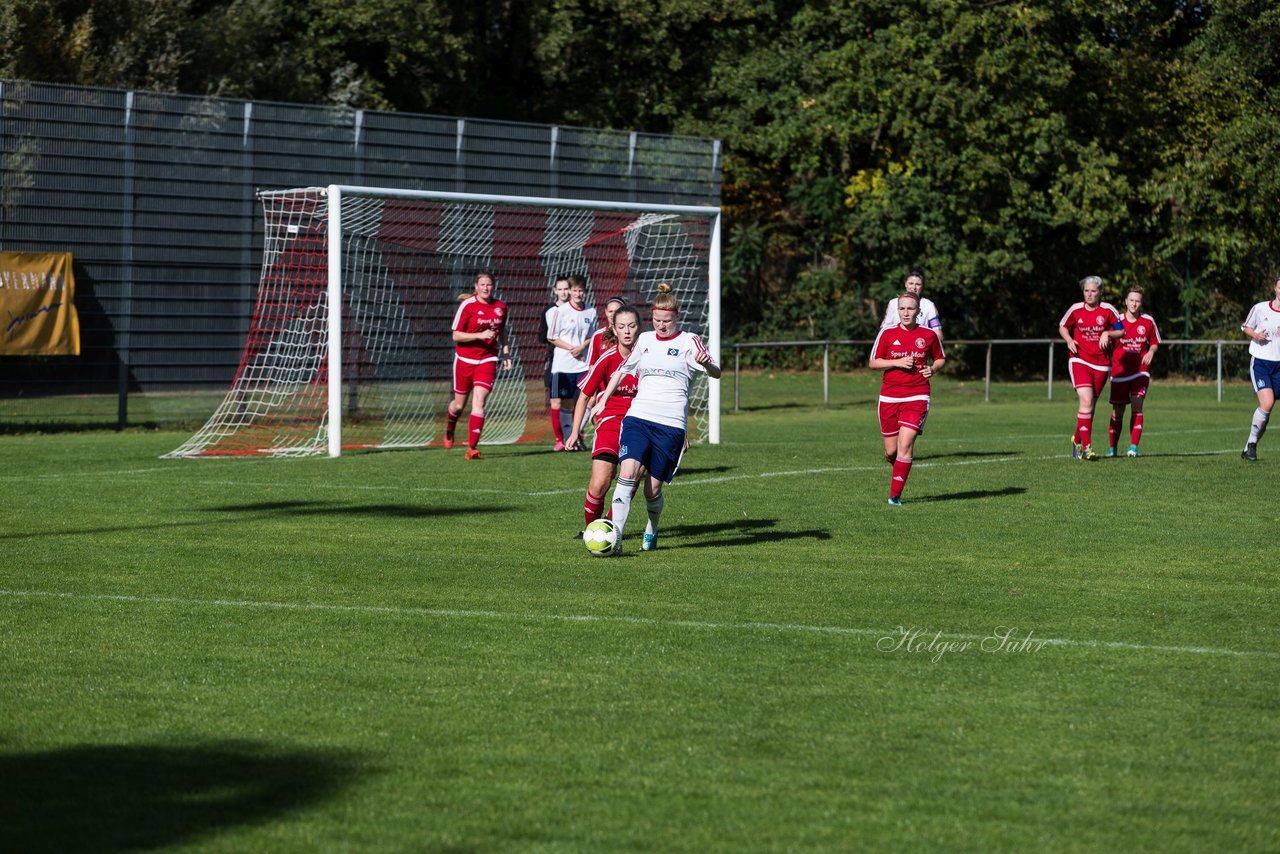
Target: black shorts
x,y
565,386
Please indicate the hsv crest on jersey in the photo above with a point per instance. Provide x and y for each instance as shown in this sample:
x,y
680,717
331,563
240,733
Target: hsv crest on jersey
x,y
673,351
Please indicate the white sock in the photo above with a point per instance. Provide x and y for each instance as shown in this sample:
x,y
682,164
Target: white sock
x,y
1259,425
654,506
621,505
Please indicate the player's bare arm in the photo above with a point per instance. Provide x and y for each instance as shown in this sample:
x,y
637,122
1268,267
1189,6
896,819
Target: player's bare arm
x,y
1065,334
579,413
704,359
906,363
604,396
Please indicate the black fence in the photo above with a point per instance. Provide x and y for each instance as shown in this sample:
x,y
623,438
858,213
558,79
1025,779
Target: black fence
x,y
154,195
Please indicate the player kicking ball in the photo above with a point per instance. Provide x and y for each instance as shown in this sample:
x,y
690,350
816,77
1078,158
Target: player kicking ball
x,y
909,355
653,432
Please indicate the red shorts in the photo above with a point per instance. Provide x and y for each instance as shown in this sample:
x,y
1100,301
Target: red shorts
x,y
896,414
467,375
607,439
1122,391
1085,375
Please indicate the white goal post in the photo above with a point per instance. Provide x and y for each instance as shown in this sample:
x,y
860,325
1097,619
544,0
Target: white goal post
x,y
350,346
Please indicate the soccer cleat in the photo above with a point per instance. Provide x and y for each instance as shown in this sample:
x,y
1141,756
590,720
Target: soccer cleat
x,y
472,454
1111,452
448,442
1089,454
578,535
1250,452
617,546
649,543
895,501
1132,452
1077,450
890,458
559,445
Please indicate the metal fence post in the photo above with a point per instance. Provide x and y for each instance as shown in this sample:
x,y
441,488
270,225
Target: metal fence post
x,y
1219,372
1051,370
737,374
987,382
125,322
826,372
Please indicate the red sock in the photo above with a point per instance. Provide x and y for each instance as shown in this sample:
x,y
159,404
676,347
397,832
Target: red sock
x,y
555,425
901,469
1135,428
1084,429
591,508
474,426
449,424
1114,426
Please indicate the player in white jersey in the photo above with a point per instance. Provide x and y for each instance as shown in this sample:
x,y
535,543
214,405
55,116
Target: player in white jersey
x,y
928,317
561,293
1262,327
569,330
653,433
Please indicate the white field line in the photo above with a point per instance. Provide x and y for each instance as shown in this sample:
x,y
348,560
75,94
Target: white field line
x,y
466,614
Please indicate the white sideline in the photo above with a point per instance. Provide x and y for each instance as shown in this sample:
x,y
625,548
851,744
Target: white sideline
x,y
454,613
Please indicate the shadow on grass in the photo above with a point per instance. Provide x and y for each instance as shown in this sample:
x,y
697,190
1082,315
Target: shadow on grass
x,y
766,407
143,797
325,508
275,509
970,455
972,494
739,532
706,469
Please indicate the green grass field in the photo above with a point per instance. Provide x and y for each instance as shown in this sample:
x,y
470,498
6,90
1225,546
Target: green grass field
x,y
408,652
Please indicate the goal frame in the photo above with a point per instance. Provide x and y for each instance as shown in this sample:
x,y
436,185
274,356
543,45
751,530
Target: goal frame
x,y
335,193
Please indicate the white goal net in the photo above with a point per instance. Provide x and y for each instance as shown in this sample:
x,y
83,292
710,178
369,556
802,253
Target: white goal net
x,y
360,285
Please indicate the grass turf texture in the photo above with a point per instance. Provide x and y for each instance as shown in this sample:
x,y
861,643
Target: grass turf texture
x,y
406,651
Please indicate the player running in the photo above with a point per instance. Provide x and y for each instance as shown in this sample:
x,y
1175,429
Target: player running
x,y
653,432
1262,327
1082,327
909,355
605,445
570,328
1138,339
479,327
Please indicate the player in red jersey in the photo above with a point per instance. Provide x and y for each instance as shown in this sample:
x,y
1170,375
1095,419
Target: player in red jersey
x,y
479,327
605,445
1082,327
908,354
1138,340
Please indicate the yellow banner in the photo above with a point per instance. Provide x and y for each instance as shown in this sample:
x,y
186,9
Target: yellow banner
x,y
37,305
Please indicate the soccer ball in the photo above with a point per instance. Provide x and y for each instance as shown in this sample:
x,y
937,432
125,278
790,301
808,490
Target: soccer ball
x,y
599,537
